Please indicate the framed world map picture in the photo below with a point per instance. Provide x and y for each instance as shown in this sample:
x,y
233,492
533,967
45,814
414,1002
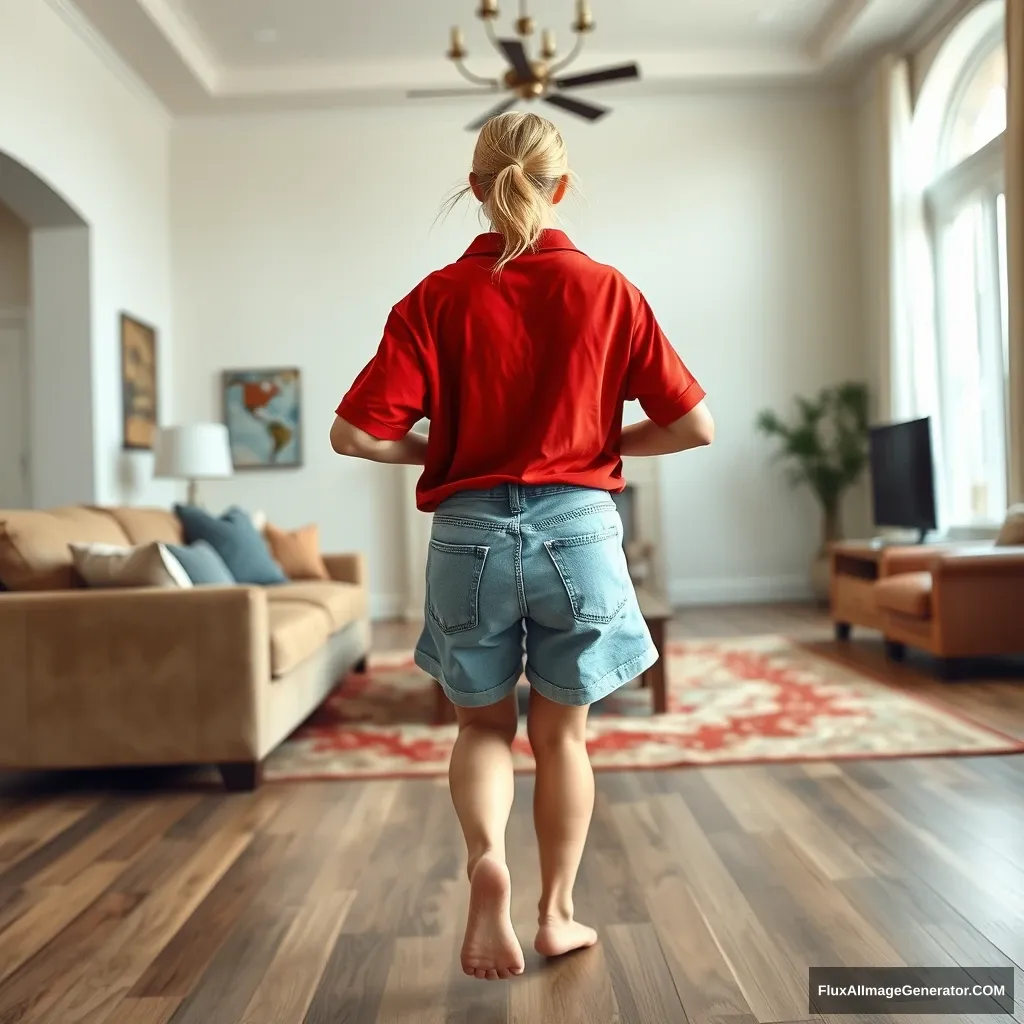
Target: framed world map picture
x,y
138,383
263,413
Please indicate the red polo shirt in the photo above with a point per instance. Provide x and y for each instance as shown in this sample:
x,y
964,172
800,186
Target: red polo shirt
x,y
523,378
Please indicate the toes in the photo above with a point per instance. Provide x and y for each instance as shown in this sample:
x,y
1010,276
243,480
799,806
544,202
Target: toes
x,y
504,974
492,975
480,973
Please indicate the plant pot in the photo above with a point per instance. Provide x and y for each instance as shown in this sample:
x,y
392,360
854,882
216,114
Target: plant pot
x,y
820,578
821,570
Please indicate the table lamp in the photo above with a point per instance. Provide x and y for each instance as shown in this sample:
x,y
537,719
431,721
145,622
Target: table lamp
x,y
198,452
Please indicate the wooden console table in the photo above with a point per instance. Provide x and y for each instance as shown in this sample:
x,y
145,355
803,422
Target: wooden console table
x,y
854,568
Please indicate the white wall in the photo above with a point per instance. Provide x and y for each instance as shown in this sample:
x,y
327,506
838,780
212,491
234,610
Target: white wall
x,y
737,215
78,122
14,259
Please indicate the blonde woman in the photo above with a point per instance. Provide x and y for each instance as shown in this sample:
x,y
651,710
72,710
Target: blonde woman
x,y
521,354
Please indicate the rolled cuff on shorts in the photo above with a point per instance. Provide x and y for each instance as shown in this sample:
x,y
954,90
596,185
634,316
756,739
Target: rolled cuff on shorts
x,y
591,693
460,698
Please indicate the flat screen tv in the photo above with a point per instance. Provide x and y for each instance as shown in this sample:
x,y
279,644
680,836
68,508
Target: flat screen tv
x,y
902,476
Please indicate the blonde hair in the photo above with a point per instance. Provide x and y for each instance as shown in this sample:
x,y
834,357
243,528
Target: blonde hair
x,y
519,160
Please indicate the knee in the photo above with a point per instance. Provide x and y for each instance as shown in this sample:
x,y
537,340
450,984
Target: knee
x,y
502,725
549,739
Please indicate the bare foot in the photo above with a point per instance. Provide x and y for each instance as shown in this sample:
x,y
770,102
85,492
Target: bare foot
x,y
556,938
491,950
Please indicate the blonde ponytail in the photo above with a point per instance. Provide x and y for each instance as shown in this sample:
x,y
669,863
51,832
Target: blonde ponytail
x,y
519,161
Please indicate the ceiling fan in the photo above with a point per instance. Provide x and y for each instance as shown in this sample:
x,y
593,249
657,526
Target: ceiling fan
x,y
526,78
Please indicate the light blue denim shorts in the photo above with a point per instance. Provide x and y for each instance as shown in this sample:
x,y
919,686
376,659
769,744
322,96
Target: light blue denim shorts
x,y
537,574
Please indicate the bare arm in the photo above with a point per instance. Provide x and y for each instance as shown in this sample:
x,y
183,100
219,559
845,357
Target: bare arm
x,y
411,450
694,430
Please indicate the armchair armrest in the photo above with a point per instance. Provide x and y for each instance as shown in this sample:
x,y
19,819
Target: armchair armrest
x,y
348,568
917,558
987,562
143,676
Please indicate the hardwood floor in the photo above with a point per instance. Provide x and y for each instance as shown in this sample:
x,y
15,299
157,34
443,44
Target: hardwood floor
x,y
148,898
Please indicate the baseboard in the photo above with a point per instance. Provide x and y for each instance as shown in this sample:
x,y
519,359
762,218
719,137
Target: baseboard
x,y
387,606
740,590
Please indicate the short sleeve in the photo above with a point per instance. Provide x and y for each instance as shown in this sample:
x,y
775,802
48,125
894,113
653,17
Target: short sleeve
x,y
657,378
390,396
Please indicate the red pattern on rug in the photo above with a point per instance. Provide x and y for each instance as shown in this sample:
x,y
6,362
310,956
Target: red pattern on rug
x,y
736,701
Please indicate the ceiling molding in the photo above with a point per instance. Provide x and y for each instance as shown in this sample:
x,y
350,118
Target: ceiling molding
x,y
110,57
370,76
187,39
835,28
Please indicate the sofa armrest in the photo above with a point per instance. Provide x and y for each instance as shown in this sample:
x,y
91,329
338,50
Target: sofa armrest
x,y
978,602
147,676
349,568
986,562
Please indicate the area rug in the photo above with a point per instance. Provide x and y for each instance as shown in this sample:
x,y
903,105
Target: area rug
x,y
754,700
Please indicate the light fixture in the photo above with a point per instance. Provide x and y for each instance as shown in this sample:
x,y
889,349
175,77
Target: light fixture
x,y
528,78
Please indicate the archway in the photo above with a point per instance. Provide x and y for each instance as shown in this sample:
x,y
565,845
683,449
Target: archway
x,y
58,382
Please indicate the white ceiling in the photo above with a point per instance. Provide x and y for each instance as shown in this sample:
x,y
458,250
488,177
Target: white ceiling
x,y
207,55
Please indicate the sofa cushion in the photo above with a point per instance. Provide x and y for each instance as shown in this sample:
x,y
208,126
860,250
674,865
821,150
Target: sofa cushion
x,y
341,602
34,545
236,540
1012,533
909,593
149,525
296,631
203,566
149,565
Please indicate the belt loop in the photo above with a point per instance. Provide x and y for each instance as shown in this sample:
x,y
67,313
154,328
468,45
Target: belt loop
x,y
515,498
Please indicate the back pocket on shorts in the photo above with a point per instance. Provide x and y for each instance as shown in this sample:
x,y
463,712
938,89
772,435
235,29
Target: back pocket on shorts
x,y
453,585
593,569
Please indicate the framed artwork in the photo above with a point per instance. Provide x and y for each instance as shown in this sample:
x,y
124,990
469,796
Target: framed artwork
x,y
263,413
138,384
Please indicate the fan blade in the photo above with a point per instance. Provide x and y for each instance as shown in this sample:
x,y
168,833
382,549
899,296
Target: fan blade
x,y
499,109
426,94
600,75
516,54
587,110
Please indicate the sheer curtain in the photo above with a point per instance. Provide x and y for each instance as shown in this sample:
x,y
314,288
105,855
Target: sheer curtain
x,y
1015,241
913,354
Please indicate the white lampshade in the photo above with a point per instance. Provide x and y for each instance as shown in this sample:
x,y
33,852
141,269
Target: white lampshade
x,y
198,452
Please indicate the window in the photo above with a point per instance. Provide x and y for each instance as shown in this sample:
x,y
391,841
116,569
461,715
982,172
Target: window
x,y
967,209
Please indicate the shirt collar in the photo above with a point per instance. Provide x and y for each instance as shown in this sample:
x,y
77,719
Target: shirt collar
x,y
492,243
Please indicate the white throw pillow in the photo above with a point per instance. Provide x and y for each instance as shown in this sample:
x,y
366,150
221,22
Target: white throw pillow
x,y
259,520
1012,533
107,565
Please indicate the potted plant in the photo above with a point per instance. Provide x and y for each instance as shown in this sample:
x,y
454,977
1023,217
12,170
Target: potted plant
x,y
826,447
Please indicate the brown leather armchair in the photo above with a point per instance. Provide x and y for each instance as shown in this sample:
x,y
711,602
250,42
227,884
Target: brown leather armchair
x,y
955,602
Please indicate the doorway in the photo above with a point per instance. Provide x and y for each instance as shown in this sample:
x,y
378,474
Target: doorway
x,y
15,461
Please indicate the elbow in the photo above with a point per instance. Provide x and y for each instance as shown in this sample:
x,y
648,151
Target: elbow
x,y
343,439
706,434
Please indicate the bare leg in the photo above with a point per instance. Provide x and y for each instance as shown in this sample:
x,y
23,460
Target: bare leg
x,y
562,807
482,787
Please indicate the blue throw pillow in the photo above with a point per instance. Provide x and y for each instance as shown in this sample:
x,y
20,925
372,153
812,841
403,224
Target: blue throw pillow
x,y
202,565
236,540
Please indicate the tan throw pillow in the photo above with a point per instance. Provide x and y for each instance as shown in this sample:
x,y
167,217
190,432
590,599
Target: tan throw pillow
x,y
104,565
1012,532
297,552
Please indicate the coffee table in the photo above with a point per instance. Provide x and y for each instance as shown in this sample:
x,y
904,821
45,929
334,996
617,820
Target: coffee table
x,y
656,613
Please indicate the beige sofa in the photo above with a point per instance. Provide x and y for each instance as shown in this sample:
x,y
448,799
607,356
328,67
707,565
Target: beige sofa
x,y
209,675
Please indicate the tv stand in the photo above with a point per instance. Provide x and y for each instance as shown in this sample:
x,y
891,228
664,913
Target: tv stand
x,y
854,568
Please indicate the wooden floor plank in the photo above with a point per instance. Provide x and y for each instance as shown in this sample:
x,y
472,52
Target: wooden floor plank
x,y
291,980
641,980
352,982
